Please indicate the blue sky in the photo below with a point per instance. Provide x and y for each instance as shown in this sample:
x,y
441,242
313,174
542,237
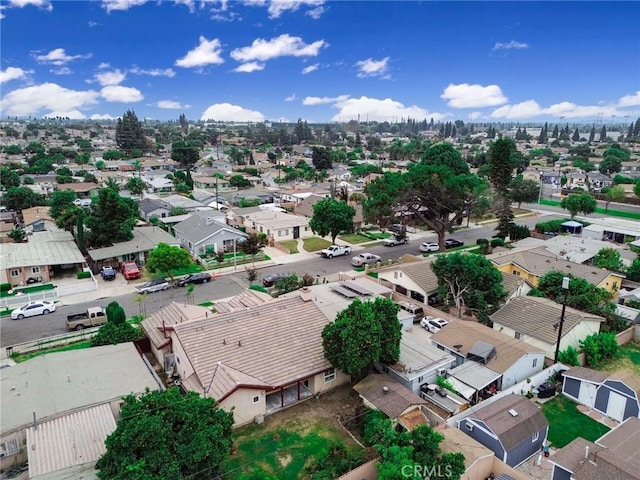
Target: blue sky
x,y
322,61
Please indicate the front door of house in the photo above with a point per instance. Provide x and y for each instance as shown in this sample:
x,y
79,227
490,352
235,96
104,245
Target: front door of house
x,y
296,232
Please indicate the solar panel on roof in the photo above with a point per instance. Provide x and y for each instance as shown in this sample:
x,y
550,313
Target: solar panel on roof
x,y
356,288
344,292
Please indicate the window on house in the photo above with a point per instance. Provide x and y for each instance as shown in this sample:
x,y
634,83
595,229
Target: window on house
x,y
516,272
283,233
535,362
420,379
468,426
535,437
329,375
15,273
9,447
256,399
395,275
518,336
35,269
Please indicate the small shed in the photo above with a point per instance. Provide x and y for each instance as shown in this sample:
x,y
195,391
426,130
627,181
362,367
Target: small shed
x,y
571,226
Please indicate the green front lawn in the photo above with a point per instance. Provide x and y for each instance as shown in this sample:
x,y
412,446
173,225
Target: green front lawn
x,y
566,423
315,244
354,238
36,288
291,245
610,212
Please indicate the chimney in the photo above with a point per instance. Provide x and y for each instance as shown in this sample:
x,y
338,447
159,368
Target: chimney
x,y
305,294
586,452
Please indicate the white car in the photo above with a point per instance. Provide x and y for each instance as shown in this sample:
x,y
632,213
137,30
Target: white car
x,y
32,309
393,241
153,286
429,247
433,324
365,258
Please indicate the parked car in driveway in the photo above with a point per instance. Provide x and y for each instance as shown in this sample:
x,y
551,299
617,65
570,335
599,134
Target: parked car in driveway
x,y
273,278
364,258
153,286
452,243
393,241
429,247
130,270
32,309
108,273
433,324
200,277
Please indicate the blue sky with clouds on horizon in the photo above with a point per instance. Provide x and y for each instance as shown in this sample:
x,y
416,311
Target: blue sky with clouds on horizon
x,y
322,61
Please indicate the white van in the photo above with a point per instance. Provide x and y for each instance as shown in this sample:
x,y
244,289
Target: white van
x,y
82,202
413,309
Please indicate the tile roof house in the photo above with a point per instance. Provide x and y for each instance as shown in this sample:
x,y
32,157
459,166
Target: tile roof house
x,y
247,361
616,395
513,427
469,341
54,385
536,320
531,264
207,230
615,455
381,392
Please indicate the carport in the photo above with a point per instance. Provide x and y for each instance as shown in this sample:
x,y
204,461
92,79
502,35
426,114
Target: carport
x,y
474,381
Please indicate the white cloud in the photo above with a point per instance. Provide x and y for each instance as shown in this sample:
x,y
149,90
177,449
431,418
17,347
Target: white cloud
x,y
59,57
206,53
44,4
372,68
72,114
114,77
310,101
475,115
102,116
310,68
380,110
630,100
103,65
154,72
92,24
512,45
464,95
111,5
249,67
527,109
231,113
291,98
61,71
316,13
171,105
13,73
278,7
47,96
118,93
282,46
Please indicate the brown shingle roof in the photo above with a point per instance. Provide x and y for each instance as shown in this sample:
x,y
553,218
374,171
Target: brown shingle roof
x,y
511,282
624,440
392,403
419,272
586,374
171,315
570,456
33,214
536,317
512,430
539,261
82,187
605,465
466,334
269,345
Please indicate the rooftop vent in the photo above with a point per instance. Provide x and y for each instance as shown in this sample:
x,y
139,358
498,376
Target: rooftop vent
x,y
513,413
385,389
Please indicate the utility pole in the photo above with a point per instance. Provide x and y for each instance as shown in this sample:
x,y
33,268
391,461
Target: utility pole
x,y
565,287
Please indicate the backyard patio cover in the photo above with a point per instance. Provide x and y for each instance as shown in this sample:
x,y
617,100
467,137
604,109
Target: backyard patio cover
x,y
471,377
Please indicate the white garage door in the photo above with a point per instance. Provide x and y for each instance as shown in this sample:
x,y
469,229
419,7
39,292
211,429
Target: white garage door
x,y
615,407
587,394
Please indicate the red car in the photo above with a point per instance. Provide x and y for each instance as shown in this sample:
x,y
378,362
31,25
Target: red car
x,y
130,270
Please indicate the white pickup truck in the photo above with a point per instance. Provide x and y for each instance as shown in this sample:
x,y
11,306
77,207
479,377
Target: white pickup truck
x,y
335,251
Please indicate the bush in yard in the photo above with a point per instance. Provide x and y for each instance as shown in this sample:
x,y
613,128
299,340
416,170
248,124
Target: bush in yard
x,y
258,288
598,347
518,232
5,287
220,256
333,463
569,357
116,330
497,242
308,280
482,242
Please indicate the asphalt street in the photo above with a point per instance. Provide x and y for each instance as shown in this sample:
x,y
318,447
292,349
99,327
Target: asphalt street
x,y
29,329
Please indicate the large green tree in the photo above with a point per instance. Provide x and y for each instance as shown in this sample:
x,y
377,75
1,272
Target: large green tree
x,y
502,161
522,190
609,258
19,198
136,186
579,203
469,282
330,217
165,435
129,134
362,334
9,178
614,194
60,201
185,153
111,219
166,258
321,158
381,198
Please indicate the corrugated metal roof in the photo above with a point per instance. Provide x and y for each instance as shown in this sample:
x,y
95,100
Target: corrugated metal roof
x,y
43,248
70,440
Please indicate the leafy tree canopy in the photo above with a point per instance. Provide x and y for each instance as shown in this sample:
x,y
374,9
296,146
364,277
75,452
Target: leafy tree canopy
x,y
166,258
447,155
521,190
167,436
129,134
609,258
330,217
19,198
502,161
111,219
579,203
9,178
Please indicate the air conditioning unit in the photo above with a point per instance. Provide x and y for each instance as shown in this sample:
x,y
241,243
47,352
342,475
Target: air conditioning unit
x,y
442,372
